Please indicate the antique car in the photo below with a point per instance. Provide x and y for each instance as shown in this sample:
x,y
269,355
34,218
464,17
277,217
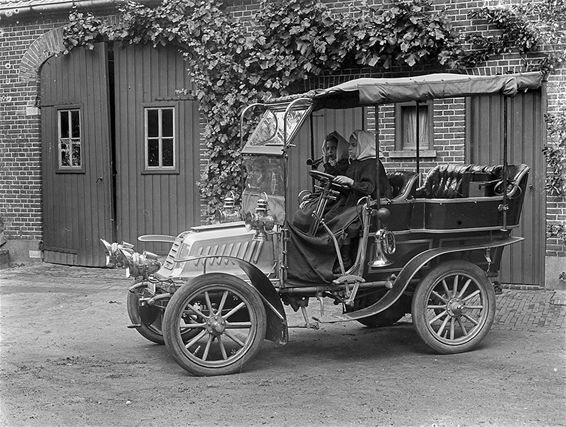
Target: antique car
x,y
431,248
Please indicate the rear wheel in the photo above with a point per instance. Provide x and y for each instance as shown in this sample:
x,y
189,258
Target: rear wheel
x,y
229,321
385,318
453,307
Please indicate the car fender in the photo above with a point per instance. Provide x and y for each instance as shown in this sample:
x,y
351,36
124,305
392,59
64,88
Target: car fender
x,y
411,268
277,328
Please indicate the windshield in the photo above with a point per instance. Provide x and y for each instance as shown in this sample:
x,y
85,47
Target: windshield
x,y
264,179
268,136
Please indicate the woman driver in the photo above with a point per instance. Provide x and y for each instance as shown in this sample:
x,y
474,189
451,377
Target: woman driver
x,y
335,154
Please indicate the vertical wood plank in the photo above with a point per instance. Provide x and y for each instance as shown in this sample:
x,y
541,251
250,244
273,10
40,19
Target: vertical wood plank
x,y
523,262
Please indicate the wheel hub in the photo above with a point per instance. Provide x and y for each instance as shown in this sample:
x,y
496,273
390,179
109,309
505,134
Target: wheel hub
x,y
455,307
216,325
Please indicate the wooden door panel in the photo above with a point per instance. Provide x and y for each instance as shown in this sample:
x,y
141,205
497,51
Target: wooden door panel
x,y
77,204
149,202
523,262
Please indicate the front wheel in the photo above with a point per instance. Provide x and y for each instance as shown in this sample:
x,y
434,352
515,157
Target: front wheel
x,y
453,307
151,318
229,321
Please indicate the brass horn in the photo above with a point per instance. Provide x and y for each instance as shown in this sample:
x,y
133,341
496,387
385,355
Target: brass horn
x,y
384,245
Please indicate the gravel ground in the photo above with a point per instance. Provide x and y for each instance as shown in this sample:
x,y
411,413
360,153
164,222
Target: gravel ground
x,y
68,359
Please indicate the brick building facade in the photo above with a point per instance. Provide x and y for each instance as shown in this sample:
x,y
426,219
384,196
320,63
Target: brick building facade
x,y
30,33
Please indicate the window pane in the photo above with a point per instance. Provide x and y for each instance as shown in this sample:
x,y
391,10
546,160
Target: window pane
x,y
75,124
64,120
76,158
167,148
167,122
409,126
152,123
65,159
69,148
160,141
423,125
153,152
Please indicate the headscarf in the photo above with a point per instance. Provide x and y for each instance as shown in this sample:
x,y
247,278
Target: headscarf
x,y
366,144
341,146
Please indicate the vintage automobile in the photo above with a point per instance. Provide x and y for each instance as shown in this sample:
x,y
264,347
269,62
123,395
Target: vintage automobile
x,y
431,248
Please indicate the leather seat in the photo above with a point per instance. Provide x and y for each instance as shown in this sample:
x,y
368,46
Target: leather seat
x,y
446,181
402,184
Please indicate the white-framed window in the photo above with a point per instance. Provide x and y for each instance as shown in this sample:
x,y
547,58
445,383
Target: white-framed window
x,y
406,125
69,142
406,117
160,139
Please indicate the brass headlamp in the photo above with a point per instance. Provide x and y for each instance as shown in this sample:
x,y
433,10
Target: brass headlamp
x,y
262,221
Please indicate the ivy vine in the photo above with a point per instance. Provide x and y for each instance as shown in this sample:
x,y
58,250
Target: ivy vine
x,y
232,66
556,230
529,27
555,152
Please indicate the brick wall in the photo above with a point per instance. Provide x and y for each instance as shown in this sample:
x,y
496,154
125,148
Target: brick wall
x,y
20,145
556,205
23,47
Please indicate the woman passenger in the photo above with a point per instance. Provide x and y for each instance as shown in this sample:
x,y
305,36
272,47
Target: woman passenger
x,y
360,177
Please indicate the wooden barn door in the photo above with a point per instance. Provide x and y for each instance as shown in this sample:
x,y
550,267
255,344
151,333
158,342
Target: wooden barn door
x,y
76,172
157,145
522,262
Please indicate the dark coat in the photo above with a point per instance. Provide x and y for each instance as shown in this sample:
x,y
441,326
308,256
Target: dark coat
x,y
363,172
311,258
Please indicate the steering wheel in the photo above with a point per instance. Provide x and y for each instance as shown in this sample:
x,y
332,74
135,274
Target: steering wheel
x,y
325,178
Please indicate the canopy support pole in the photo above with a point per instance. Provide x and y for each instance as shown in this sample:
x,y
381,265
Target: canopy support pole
x,y
417,142
378,195
311,118
505,173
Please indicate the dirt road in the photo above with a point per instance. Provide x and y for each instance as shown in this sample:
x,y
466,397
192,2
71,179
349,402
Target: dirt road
x,y
67,358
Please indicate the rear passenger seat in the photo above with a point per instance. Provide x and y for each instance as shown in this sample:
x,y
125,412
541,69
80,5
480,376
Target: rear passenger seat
x,y
403,184
451,180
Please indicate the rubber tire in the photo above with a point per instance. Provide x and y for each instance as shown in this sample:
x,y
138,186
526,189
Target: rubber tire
x,y
174,342
386,318
146,330
419,304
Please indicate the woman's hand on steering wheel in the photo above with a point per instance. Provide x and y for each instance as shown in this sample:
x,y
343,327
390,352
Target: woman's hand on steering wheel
x,y
325,178
343,180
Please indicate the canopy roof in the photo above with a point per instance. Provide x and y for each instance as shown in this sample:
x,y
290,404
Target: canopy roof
x,y
369,91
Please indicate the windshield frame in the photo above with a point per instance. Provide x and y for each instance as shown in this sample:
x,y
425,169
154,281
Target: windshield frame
x,y
300,104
